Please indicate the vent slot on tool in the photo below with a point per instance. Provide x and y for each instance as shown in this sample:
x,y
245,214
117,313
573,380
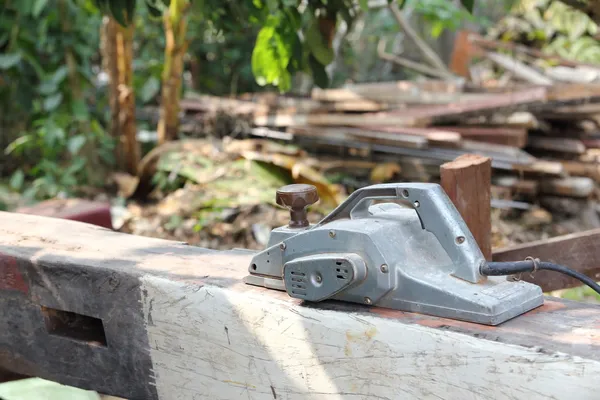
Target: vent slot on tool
x,y
298,283
342,272
318,277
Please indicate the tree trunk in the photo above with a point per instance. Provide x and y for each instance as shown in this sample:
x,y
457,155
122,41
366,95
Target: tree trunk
x,y
117,55
70,59
175,29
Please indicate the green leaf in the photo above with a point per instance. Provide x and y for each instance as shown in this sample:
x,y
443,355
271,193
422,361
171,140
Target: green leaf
x,y
38,7
24,7
150,89
317,45
32,59
9,60
52,134
364,4
401,3
155,7
294,17
103,6
59,75
17,179
76,165
272,5
18,144
80,110
319,74
272,53
468,4
76,143
47,88
122,10
437,28
52,102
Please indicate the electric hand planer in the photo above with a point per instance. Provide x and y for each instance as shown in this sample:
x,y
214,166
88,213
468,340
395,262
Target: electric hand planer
x,y
402,246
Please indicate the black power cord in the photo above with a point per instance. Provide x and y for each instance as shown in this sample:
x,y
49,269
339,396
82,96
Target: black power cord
x,y
532,265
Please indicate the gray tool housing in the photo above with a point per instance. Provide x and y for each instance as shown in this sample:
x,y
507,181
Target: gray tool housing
x,y
412,254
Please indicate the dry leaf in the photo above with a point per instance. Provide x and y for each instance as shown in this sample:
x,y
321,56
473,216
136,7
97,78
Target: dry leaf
x,y
384,172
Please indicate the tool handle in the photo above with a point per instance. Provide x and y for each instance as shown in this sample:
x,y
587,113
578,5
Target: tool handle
x,y
436,213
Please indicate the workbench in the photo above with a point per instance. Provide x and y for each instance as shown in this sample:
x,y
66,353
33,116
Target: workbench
x,y
144,318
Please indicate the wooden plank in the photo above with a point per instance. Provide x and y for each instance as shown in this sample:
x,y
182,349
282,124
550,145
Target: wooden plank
x,y
431,132
412,116
591,143
576,168
467,181
563,145
214,103
426,92
508,136
519,69
580,93
580,251
179,323
571,186
276,104
363,135
541,167
508,101
503,158
282,119
462,54
518,185
573,111
439,145
393,97
92,212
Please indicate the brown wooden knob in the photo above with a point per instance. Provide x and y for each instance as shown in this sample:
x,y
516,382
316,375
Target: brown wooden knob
x,y
296,198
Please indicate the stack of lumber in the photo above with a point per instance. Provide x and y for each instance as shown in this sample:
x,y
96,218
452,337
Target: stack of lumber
x,y
543,139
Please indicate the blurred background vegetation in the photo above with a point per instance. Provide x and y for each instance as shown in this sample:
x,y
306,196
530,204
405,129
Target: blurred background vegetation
x,y
55,111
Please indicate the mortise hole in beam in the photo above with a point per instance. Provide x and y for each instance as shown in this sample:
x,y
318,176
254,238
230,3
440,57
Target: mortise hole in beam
x,y
74,326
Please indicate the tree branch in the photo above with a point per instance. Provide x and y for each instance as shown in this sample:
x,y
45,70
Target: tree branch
x,y
405,62
430,56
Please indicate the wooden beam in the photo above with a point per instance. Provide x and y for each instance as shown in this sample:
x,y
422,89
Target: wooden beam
x,y
514,137
462,54
467,181
508,136
413,116
571,186
580,251
577,168
562,145
282,119
397,93
519,69
153,319
518,185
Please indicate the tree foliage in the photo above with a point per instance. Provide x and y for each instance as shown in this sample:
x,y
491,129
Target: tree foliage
x,y
293,36
554,27
47,89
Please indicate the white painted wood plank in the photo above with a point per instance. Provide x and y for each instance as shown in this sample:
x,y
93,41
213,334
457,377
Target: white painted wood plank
x,y
209,342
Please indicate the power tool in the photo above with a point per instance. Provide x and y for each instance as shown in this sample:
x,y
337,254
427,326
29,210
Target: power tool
x,y
402,246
